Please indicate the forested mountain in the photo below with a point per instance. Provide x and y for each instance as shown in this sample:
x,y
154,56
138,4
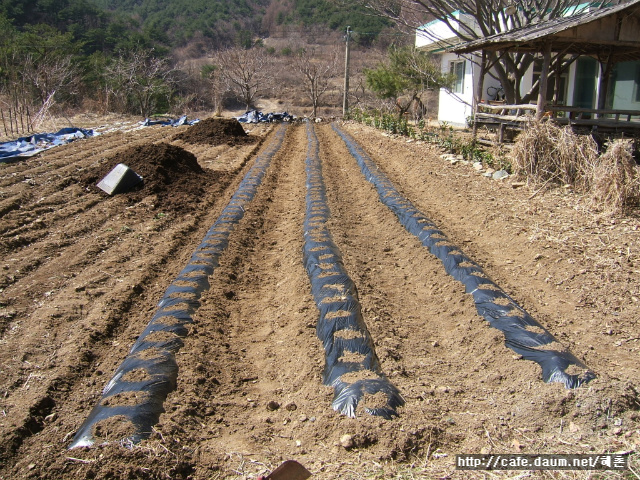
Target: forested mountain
x,y
176,22
337,15
91,28
109,25
225,22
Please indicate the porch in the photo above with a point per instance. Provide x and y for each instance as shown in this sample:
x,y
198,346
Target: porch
x,y
503,118
608,36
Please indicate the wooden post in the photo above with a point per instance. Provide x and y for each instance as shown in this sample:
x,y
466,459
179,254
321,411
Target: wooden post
x,y
544,74
347,54
558,78
3,123
477,98
603,83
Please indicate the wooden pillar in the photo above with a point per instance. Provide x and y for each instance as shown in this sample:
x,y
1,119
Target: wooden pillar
x,y
558,79
477,98
603,83
544,74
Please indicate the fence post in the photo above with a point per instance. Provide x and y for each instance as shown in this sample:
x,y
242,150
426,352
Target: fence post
x,y
3,123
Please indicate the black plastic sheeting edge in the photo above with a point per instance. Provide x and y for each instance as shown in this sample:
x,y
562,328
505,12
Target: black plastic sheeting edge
x,y
149,372
522,333
340,327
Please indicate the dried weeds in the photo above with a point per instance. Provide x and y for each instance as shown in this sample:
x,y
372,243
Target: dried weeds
x,y
547,154
615,179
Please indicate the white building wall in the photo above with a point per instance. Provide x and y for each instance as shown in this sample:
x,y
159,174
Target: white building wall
x,y
526,82
454,108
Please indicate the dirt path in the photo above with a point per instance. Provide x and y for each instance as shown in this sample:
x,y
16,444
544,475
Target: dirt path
x,y
82,275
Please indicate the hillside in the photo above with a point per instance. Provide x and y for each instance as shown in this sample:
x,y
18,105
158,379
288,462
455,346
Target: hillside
x,y
225,22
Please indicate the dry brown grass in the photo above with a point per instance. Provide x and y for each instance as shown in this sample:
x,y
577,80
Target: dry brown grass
x,y
546,153
615,179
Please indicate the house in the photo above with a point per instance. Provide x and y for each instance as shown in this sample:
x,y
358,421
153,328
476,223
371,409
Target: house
x,y
605,74
436,37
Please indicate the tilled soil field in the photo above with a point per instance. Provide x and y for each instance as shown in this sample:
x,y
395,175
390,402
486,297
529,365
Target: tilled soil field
x,y
82,274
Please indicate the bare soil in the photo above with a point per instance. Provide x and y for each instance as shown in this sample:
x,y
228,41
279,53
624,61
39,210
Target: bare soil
x,y
81,274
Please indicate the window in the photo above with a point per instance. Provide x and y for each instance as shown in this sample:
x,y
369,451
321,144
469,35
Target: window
x,y
624,87
457,70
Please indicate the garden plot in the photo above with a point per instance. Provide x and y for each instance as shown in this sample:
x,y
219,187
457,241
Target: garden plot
x,y
133,399
352,367
82,274
522,333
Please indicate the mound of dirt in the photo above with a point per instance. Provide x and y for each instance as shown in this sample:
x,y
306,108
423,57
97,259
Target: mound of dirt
x,y
167,170
216,131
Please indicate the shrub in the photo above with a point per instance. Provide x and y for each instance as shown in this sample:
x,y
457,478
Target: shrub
x,y
615,178
546,153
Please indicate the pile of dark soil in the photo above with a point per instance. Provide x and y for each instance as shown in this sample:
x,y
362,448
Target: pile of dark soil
x,y
167,170
216,131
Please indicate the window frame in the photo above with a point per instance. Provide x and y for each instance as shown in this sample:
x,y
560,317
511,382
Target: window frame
x,y
458,68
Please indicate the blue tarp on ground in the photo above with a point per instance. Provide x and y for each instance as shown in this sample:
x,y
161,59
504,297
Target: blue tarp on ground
x,y
29,146
170,122
254,116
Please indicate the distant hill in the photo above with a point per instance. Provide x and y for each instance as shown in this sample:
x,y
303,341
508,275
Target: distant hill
x,y
176,22
108,25
337,15
224,22
91,27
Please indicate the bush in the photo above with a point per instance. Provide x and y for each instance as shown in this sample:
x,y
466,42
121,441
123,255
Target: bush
x,y
546,153
443,136
615,178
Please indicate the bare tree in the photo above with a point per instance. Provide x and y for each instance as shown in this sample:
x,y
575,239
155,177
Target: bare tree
x,y
488,17
316,72
37,64
216,85
246,72
49,74
138,79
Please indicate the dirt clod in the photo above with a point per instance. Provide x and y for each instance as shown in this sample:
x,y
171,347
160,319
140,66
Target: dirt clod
x,y
273,405
346,441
